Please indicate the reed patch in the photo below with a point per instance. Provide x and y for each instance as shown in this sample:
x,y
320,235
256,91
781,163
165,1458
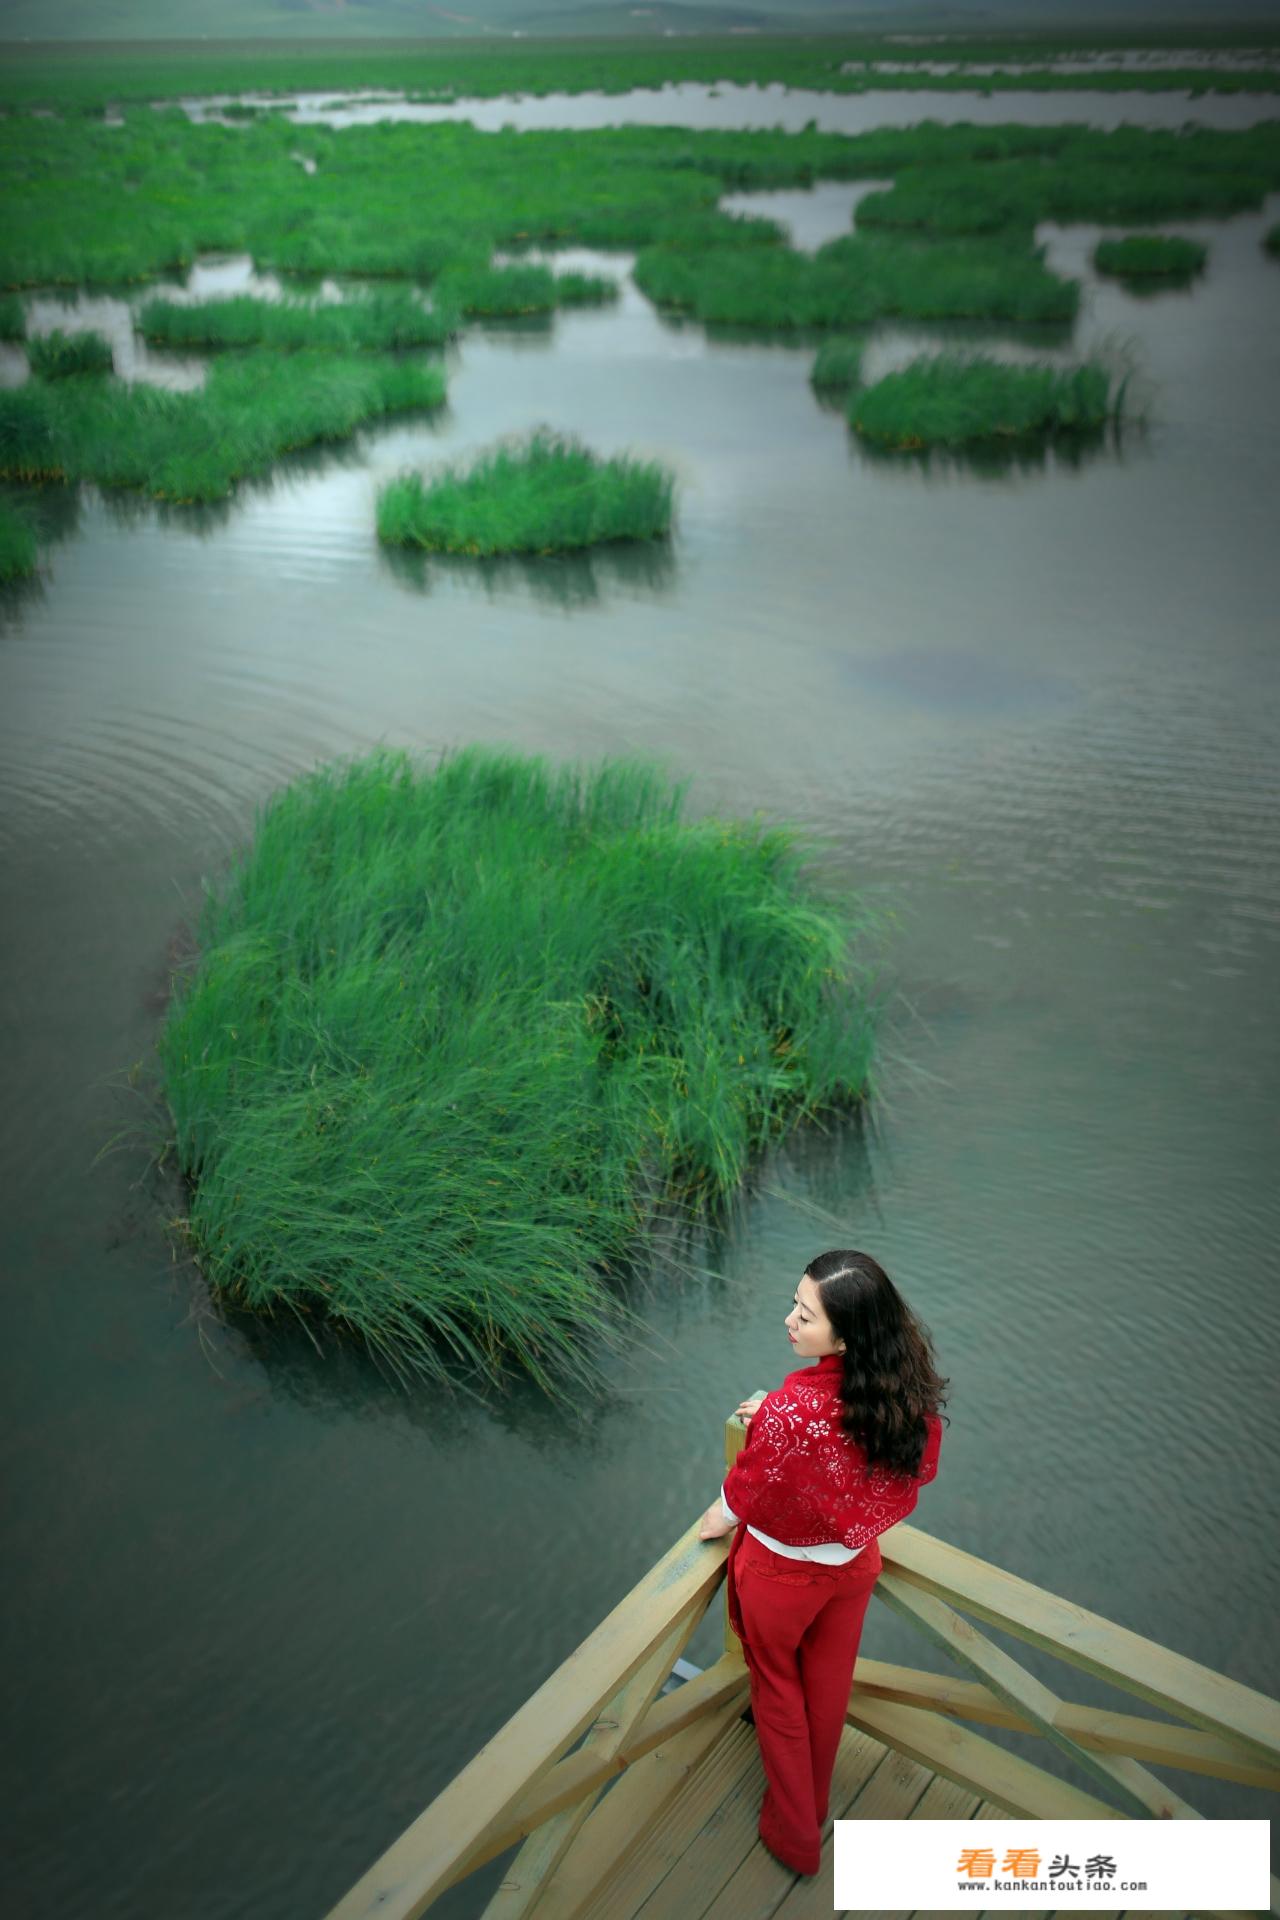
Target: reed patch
x,y
947,400
547,494
459,1039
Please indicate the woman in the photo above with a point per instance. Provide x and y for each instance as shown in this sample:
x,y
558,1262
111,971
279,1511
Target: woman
x,y
833,1457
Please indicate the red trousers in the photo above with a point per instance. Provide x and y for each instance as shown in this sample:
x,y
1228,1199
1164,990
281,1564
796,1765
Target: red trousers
x,y
800,1622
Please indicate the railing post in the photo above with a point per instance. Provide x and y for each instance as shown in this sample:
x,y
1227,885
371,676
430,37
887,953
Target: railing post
x,y
735,1437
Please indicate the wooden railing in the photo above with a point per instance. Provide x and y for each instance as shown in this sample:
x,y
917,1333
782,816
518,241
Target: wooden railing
x,y
526,1789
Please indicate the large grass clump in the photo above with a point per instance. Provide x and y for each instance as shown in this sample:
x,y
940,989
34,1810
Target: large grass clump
x,y
54,356
13,319
253,408
854,281
950,401
1271,241
458,1038
1141,256
547,494
373,322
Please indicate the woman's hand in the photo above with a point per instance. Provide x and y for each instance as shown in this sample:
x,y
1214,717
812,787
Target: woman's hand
x,y
714,1525
748,1407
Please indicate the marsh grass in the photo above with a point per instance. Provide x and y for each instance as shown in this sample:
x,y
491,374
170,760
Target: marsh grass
x,y
458,1040
855,280
548,494
951,401
510,292
837,366
1271,241
187,447
371,323
1140,256
57,355
17,544
13,318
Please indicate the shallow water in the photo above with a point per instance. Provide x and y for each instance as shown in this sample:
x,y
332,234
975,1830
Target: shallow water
x,y
264,1605
690,104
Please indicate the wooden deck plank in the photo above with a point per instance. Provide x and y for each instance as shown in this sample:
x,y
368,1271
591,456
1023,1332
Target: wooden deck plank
x,y
811,1899
760,1884
701,1823
645,1797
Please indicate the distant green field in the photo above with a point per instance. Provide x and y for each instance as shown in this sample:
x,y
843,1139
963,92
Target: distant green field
x,y
79,78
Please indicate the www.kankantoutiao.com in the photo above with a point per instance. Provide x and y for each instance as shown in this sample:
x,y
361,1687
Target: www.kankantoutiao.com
x,y
1052,1886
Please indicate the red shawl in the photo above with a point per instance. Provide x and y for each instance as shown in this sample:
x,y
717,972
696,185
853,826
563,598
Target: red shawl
x,y
801,1479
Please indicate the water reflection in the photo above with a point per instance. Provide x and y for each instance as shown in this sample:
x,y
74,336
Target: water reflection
x,y
569,582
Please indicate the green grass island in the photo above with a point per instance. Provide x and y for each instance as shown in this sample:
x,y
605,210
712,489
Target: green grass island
x,y
1150,256
457,1038
954,400
544,494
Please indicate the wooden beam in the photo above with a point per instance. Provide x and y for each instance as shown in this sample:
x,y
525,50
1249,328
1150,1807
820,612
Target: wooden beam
x,y
584,1772
542,1852
1027,1791
1139,1791
1085,1640
629,1813
1153,1741
425,1859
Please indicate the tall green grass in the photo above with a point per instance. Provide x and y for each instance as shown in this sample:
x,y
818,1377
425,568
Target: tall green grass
x,y
13,319
56,355
855,280
371,322
91,204
458,1039
1271,241
17,544
949,401
494,292
548,494
196,446
1132,180
1155,255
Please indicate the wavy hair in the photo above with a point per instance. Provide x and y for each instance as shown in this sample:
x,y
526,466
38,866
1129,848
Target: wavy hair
x,y
890,1383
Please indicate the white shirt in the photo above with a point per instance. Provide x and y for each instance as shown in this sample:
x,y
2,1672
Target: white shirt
x,y
831,1551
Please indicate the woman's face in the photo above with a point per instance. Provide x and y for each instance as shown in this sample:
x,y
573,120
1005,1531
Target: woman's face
x,y
810,1330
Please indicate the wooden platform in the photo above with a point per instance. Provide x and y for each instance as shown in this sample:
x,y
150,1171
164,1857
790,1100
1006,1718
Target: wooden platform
x,y
616,1792
703,1861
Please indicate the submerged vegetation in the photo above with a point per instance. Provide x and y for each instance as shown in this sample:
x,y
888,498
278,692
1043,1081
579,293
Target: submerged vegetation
x,y
371,322
1155,255
17,544
952,401
838,365
547,495
457,1039
196,446
56,355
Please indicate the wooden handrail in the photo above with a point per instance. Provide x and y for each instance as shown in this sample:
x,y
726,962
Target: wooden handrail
x,y
431,1853
1086,1640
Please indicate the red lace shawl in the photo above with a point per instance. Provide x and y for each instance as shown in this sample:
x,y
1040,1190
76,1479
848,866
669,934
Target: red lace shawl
x,y
801,1478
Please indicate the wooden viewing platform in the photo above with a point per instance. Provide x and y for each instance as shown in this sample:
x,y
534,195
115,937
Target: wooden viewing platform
x,y
626,1795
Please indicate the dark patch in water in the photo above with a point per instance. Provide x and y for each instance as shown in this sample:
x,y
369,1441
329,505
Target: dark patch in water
x,y
960,681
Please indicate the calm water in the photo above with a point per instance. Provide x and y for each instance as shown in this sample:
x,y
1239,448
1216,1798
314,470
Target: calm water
x,y
262,1605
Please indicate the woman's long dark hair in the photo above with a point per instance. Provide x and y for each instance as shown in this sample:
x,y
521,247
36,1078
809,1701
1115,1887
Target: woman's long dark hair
x,y
890,1383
